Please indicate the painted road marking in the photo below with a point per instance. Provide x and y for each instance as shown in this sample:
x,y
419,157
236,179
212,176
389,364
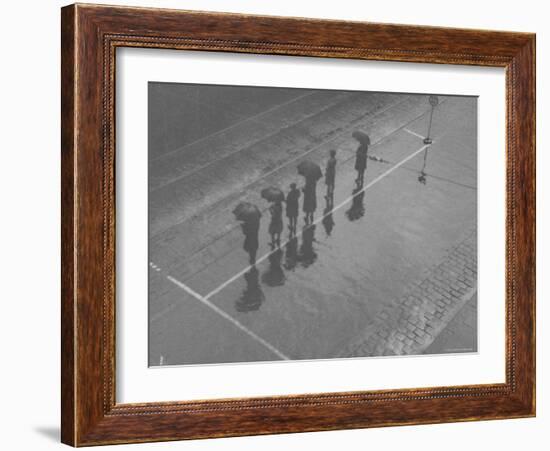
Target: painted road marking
x,y
205,299
414,133
340,205
228,317
378,142
179,149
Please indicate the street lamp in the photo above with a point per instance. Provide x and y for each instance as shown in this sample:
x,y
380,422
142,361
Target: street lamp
x,y
433,102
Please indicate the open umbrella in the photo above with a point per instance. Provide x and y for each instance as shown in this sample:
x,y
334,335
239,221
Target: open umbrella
x,y
246,211
362,137
273,194
310,170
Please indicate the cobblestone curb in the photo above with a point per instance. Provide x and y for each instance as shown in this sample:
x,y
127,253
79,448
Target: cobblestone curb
x,y
410,324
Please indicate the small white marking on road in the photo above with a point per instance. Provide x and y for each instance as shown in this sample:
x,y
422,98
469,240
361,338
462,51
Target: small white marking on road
x,y
340,205
414,133
228,317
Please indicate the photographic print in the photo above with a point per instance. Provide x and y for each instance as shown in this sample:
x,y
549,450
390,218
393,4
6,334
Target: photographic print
x,y
299,224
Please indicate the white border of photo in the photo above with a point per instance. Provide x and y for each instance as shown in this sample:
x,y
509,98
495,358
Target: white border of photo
x,y
136,382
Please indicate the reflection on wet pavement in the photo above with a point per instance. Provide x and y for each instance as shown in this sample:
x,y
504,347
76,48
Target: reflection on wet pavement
x,y
274,276
310,291
253,295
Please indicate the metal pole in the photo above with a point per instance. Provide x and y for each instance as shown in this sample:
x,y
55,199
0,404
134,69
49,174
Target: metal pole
x,y
422,177
433,102
431,118
428,140
425,159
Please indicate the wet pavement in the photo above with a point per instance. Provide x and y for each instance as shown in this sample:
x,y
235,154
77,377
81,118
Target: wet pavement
x,y
460,335
316,294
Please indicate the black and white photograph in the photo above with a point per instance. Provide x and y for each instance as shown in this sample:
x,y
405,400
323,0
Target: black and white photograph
x,y
300,224
236,225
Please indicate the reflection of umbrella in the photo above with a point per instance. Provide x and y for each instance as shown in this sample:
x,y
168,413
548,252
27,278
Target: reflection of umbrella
x,y
273,194
253,296
310,170
363,138
246,211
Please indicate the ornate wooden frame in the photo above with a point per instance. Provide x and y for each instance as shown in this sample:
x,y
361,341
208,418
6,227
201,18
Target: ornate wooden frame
x,y
90,36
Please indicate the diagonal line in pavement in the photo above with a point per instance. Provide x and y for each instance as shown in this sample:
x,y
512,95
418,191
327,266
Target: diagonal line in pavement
x,y
267,174
414,133
378,142
340,205
228,317
250,118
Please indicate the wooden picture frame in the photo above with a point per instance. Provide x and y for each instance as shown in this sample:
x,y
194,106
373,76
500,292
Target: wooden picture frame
x,y
90,412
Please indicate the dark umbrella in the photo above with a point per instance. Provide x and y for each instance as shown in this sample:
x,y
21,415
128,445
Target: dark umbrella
x,y
363,138
246,211
273,194
310,170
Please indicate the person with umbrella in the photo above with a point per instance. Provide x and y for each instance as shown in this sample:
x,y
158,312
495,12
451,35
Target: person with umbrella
x,y
330,174
292,207
361,156
276,197
310,200
312,173
249,215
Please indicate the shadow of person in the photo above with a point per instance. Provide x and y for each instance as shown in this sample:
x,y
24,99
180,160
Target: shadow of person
x,y
357,209
253,296
291,254
307,255
274,276
328,220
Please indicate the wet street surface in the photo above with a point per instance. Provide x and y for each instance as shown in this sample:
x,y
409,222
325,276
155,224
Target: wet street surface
x,y
319,292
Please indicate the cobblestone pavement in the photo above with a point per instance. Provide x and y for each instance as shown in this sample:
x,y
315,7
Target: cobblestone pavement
x,y
411,324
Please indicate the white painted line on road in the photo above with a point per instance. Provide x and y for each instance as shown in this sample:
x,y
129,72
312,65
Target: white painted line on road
x,y
340,205
251,118
227,317
235,224
414,133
